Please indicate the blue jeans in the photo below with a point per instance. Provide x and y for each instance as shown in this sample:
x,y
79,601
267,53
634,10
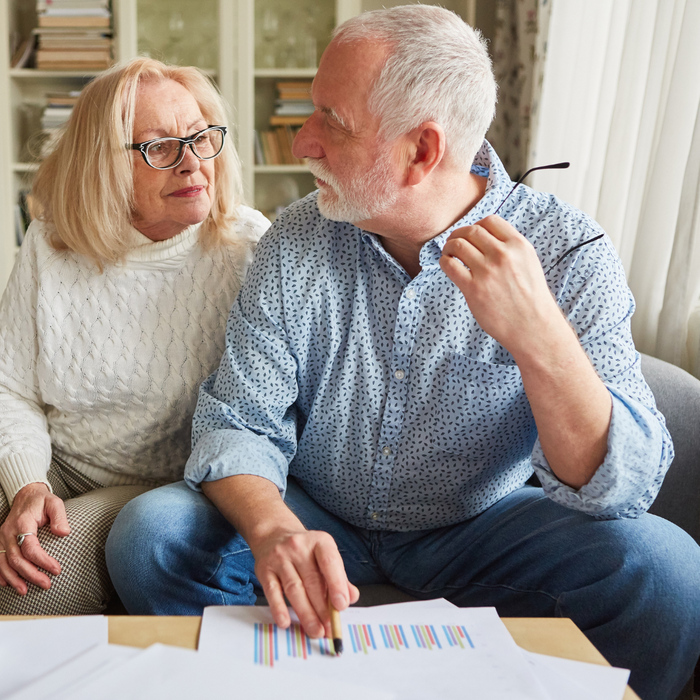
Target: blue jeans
x,y
632,586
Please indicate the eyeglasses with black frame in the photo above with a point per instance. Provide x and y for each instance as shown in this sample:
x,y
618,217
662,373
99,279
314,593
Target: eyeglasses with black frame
x,y
168,152
554,166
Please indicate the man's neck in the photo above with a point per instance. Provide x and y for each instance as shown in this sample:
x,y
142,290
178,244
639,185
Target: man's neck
x,y
409,225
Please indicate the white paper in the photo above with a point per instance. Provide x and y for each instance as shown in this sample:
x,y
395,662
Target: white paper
x,y
577,680
169,673
92,663
416,651
31,648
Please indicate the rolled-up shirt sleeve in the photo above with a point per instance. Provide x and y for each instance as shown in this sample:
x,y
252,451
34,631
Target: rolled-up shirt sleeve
x,y
245,419
640,449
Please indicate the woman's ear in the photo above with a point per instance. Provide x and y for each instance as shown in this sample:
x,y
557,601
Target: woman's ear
x,y
427,144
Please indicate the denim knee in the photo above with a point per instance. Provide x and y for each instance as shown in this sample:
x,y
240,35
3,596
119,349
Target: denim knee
x,y
171,552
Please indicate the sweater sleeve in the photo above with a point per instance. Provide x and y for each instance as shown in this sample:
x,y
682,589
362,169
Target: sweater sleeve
x,y
25,445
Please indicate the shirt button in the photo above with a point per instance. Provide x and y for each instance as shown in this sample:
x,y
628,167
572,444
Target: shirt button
x,y
386,451
411,294
375,516
399,374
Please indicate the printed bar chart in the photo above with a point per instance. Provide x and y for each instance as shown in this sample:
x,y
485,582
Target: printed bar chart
x,y
272,645
298,645
405,637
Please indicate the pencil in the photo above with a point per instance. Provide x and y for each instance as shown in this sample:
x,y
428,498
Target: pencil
x,y
336,629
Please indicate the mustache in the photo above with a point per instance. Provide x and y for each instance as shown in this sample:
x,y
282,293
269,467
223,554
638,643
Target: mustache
x,y
320,170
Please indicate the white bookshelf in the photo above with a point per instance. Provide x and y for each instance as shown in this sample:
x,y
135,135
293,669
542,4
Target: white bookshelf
x,y
227,34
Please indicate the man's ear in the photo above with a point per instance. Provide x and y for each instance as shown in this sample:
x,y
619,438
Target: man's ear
x,y
426,149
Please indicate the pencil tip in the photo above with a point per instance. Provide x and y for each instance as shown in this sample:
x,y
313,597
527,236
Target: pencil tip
x,y
338,644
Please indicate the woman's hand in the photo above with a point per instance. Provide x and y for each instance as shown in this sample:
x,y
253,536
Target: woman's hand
x,y
34,506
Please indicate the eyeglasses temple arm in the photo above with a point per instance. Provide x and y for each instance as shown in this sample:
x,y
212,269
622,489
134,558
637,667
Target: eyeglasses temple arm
x,y
571,250
554,166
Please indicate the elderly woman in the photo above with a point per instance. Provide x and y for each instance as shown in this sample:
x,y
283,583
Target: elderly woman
x,y
114,313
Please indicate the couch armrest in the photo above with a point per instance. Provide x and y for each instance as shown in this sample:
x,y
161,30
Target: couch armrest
x,y
677,395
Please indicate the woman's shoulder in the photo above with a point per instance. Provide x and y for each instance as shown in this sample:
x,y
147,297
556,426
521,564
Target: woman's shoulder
x,y
250,224
36,245
38,233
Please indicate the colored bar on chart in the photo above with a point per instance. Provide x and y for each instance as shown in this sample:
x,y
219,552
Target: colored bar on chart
x,y
371,636
435,637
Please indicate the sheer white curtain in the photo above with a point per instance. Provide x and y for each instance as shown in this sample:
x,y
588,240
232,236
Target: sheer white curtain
x,y
620,100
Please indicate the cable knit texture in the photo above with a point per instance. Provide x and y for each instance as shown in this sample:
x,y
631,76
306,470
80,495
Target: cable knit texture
x,y
104,368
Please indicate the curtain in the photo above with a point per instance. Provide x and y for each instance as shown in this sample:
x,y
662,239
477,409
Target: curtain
x,y
517,51
620,100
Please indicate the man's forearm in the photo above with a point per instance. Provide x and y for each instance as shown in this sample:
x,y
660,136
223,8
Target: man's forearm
x,y
253,505
571,405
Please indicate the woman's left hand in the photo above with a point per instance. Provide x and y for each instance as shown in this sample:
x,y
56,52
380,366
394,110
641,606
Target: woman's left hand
x,y
33,507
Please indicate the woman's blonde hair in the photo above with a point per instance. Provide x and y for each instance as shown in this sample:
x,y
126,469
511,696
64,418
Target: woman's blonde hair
x,y
84,188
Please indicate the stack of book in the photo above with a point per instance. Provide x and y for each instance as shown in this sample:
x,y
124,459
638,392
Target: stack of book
x,y
74,35
293,105
59,107
292,109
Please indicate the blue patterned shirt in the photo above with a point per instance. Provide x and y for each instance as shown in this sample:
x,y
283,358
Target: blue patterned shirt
x,y
384,398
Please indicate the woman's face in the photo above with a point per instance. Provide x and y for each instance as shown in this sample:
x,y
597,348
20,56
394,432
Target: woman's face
x,y
168,201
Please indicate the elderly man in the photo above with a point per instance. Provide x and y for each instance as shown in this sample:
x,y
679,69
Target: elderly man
x,y
398,362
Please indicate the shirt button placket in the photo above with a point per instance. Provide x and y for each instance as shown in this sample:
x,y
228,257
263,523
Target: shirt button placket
x,y
395,407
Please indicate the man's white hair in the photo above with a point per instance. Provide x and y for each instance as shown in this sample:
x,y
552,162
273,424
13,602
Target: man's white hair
x,y
438,70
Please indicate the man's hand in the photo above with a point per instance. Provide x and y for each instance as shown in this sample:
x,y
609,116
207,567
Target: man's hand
x,y
500,275
303,565
34,506
306,567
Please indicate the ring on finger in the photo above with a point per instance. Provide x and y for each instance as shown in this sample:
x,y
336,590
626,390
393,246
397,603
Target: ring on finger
x,y
21,536
3,551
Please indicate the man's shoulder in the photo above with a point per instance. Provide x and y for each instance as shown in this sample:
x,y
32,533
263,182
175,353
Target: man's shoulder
x,y
546,209
302,226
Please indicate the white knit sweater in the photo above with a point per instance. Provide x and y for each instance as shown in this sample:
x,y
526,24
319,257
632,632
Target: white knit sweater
x,y
104,368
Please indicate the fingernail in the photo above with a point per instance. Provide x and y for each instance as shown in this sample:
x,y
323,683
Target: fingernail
x,y
339,601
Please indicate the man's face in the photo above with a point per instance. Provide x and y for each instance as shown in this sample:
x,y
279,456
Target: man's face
x,y
355,195
355,170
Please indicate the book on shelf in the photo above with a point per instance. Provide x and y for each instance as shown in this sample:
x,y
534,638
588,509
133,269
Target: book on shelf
x,y
257,146
295,85
295,95
86,56
62,99
54,117
293,120
72,38
275,147
44,5
74,65
296,107
272,148
24,54
46,20
47,55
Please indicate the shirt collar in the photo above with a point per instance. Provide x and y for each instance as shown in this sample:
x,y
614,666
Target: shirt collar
x,y
498,185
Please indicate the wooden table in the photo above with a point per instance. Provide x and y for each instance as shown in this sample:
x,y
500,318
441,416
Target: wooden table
x,y
553,636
